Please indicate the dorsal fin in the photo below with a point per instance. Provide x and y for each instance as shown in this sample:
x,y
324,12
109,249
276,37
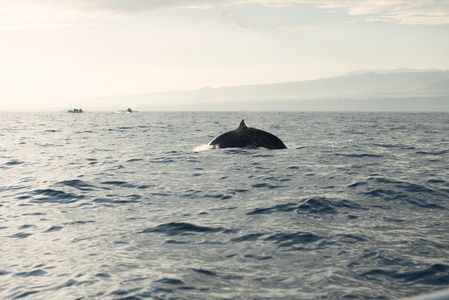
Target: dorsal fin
x,y
242,125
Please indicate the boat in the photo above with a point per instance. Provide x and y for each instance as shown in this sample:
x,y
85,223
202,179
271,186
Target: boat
x,y
75,111
126,111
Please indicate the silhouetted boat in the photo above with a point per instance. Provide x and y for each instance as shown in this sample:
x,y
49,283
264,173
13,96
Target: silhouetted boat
x,y
125,111
75,111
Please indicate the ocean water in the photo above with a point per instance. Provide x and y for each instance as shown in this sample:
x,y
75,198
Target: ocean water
x,y
125,206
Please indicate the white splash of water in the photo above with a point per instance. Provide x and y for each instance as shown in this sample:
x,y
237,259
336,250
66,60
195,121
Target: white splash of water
x,y
203,148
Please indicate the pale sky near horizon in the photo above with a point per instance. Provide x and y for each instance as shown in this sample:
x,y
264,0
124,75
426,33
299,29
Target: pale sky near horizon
x,y
60,53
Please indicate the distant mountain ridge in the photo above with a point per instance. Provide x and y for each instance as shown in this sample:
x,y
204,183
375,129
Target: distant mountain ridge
x,y
362,85
400,70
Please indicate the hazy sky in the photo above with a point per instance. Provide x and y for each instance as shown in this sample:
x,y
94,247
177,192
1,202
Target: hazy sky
x,y
61,51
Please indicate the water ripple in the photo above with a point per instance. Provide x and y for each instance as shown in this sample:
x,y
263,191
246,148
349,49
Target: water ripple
x,y
55,196
183,229
78,184
291,239
437,274
311,206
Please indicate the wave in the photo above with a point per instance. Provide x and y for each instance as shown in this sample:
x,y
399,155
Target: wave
x,y
37,272
119,183
20,235
14,162
11,163
269,186
435,153
183,229
393,190
292,239
398,146
78,184
53,229
248,238
113,200
55,196
360,155
437,274
319,206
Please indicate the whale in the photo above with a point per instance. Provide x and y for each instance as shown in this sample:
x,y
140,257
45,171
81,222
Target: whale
x,y
247,137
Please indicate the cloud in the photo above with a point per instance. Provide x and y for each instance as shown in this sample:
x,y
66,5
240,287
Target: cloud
x,y
42,26
431,12
398,11
237,20
136,6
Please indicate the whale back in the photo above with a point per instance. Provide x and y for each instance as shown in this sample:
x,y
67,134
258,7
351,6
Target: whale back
x,y
247,137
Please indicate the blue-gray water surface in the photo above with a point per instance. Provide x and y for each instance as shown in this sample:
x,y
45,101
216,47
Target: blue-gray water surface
x,y
125,206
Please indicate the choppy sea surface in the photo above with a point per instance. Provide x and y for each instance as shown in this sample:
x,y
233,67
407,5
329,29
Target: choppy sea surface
x,y
125,206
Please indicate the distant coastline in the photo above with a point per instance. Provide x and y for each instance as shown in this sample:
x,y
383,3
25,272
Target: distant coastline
x,y
394,90
382,90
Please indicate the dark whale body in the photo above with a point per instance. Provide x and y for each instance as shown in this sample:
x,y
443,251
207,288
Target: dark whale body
x,y
247,137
